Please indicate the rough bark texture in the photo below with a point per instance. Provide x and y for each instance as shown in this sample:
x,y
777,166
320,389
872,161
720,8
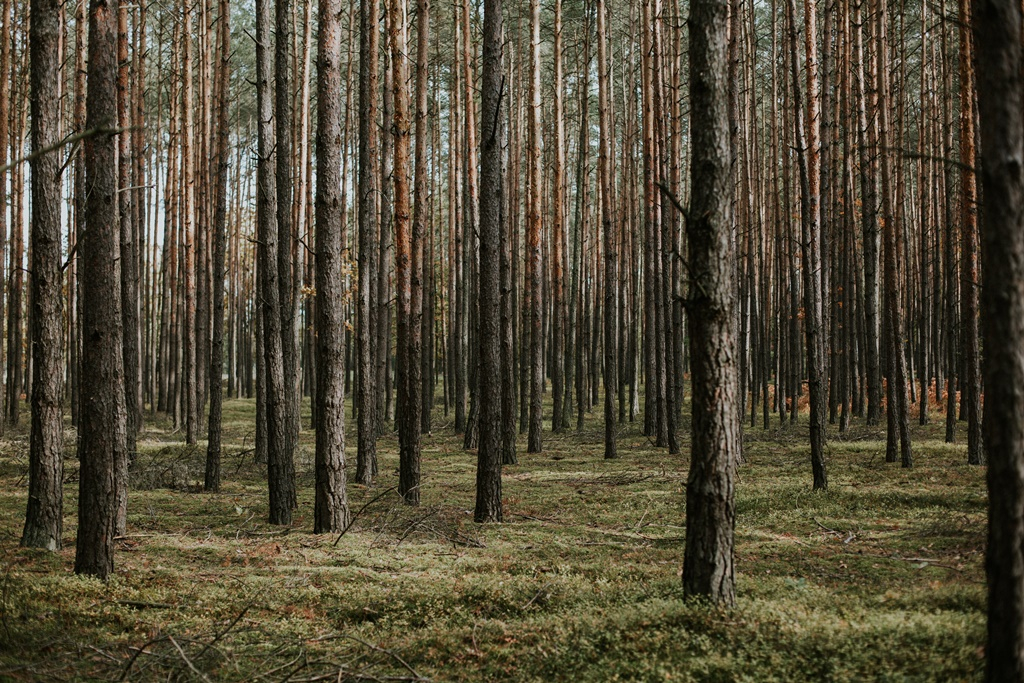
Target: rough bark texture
x,y
533,248
407,319
190,399
102,435
1001,100
44,521
331,503
285,228
366,402
489,454
213,446
715,431
129,246
279,471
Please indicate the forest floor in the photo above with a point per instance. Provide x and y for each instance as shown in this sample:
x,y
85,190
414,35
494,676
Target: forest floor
x,y
880,578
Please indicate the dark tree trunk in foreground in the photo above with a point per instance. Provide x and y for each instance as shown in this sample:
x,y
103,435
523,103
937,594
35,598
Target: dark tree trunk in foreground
x,y
102,434
213,447
715,439
279,470
492,187
1001,100
331,503
366,395
44,520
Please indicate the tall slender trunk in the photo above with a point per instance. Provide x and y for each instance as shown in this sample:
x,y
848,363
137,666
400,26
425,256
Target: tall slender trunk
x,y
971,384
102,438
810,243
369,158
220,219
44,519
493,343
129,244
285,230
279,457
330,508
533,232
604,174
408,323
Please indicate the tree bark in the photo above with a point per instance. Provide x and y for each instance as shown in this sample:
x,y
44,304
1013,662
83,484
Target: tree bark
x,y
715,430
102,436
129,245
533,249
44,519
997,26
213,447
604,174
408,323
492,344
281,485
971,383
369,172
330,507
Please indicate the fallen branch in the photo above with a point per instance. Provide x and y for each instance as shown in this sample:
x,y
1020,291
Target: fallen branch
x,y
377,648
191,666
358,512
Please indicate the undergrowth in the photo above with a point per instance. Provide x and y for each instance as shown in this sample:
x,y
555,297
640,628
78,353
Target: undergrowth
x,y
880,578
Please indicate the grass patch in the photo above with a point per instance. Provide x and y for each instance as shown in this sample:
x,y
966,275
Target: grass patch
x,y
880,578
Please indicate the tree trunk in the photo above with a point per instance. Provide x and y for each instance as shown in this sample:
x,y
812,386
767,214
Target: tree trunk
x,y
213,447
279,470
369,172
408,322
102,437
558,421
44,519
285,230
493,344
331,512
971,384
533,232
997,25
810,242
129,245
604,174
715,431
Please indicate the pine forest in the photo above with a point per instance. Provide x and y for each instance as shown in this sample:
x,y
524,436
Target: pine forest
x,y
390,340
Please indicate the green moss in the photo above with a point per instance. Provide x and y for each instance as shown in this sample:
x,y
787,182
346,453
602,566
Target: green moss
x,y
880,578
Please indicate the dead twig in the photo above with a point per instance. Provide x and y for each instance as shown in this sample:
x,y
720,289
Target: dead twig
x,y
187,661
393,655
358,512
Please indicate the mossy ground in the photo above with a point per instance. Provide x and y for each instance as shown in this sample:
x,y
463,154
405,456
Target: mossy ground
x,y
880,578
